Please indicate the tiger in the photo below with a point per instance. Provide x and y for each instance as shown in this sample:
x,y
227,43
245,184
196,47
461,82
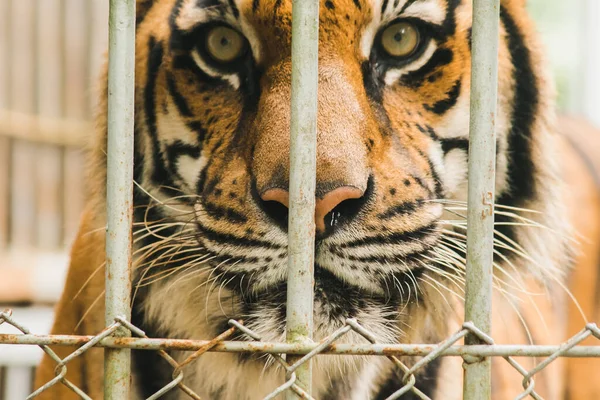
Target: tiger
x,y
211,178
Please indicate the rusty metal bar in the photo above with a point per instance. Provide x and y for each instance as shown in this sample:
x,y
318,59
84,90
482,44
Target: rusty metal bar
x,y
363,349
303,147
482,170
119,195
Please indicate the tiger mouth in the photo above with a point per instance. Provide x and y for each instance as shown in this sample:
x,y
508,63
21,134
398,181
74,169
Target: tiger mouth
x,y
334,297
339,267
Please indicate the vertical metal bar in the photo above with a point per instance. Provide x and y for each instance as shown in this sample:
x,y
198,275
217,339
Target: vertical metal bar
x,y
303,147
482,169
119,188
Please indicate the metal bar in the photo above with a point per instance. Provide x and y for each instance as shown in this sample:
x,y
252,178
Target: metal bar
x,y
119,188
363,349
303,146
482,169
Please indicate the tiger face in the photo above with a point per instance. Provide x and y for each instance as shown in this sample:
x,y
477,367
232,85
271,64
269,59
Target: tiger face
x,y
213,89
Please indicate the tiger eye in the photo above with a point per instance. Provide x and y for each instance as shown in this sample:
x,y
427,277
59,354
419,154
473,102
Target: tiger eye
x,y
400,39
225,44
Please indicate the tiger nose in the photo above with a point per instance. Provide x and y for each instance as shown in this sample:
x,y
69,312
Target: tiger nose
x,y
328,208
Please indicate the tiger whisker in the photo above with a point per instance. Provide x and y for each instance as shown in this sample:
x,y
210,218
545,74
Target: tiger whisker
x,y
89,309
193,257
199,260
190,273
87,281
425,281
214,280
498,267
220,290
146,192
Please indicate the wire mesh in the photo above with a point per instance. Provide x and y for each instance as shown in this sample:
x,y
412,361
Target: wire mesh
x,y
448,347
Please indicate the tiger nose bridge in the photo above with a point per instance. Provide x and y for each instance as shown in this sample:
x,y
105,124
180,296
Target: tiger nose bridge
x,y
342,171
341,154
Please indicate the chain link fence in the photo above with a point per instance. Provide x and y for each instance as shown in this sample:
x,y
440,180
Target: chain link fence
x,y
306,352
296,354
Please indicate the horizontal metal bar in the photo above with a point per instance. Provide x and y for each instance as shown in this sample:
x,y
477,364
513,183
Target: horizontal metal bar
x,y
365,349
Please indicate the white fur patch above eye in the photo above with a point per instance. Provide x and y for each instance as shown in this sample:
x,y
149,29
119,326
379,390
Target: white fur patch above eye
x,y
392,75
190,15
430,11
251,35
233,79
368,36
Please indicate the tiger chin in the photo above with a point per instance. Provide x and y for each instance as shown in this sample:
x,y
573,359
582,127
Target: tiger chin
x,y
210,198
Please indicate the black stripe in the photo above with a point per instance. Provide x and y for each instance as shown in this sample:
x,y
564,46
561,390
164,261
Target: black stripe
x,y
219,259
373,86
160,174
401,209
437,182
393,238
384,6
443,106
406,5
141,10
422,184
208,3
440,58
521,169
255,4
180,101
174,151
403,258
175,14
179,148
197,127
450,22
455,143
220,237
218,212
234,9
357,4
431,132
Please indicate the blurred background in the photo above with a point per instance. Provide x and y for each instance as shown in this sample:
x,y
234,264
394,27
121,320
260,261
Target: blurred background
x,y
51,52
